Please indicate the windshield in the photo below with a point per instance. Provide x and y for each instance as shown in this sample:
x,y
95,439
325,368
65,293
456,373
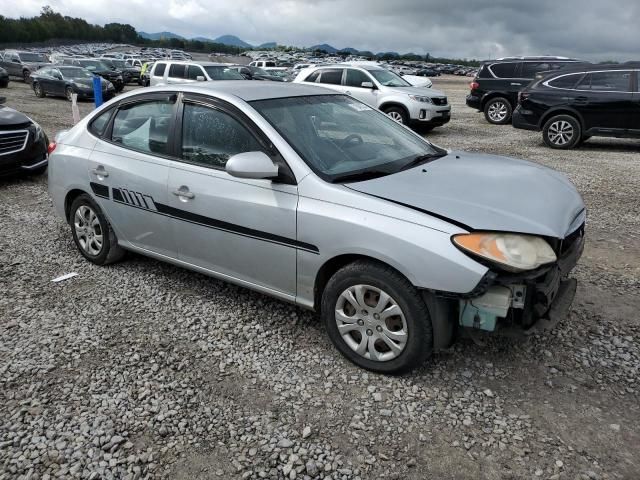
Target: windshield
x,y
222,73
32,57
389,79
342,139
75,73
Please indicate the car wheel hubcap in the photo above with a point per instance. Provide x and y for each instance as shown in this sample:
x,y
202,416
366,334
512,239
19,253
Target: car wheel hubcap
x,y
88,230
37,89
498,111
371,323
560,132
397,116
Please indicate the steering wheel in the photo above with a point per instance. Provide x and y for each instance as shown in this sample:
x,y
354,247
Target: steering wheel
x,y
351,140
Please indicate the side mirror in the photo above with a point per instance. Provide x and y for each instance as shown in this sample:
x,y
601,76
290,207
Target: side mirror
x,y
367,85
200,78
256,165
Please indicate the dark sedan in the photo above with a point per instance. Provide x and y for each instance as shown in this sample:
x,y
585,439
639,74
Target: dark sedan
x,y
256,73
23,143
4,78
64,81
98,67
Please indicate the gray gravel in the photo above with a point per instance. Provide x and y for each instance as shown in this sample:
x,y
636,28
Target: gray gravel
x,y
143,370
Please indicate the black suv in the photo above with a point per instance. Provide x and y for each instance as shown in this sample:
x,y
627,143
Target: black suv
x,y
495,88
573,105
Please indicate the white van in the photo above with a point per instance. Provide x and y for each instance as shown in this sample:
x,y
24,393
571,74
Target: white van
x,y
166,73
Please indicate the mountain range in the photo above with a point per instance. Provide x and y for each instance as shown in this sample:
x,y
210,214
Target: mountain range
x,y
234,41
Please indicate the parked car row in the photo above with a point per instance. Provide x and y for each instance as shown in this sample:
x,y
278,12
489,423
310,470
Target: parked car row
x,y
568,100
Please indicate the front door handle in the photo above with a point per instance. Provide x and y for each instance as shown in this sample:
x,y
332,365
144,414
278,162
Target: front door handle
x,y
100,171
184,193
516,84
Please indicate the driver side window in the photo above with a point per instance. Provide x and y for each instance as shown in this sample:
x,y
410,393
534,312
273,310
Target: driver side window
x,y
210,136
355,78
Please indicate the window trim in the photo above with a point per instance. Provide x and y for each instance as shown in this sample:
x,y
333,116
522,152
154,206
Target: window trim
x,y
286,175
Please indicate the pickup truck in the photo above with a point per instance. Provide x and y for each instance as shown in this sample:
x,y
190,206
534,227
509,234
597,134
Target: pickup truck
x,y
266,65
21,64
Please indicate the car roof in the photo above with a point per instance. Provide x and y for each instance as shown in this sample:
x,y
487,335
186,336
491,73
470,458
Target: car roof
x,y
191,62
589,67
247,90
347,65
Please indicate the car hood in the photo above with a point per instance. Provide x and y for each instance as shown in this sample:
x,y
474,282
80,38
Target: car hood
x,y
431,92
486,192
88,82
12,118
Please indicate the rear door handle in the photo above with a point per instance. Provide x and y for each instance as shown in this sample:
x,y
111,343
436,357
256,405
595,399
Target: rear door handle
x,y
184,193
100,171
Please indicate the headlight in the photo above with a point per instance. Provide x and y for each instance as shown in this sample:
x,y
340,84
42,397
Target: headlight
x,y
511,251
419,98
39,132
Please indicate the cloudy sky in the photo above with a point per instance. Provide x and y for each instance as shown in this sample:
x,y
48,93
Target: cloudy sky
x,y
589,29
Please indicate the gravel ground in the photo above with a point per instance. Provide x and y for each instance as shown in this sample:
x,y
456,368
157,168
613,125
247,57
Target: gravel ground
x,y
144,370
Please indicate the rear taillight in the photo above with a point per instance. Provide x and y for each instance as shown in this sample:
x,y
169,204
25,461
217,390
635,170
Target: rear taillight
x,y
51,147
522,96
474,85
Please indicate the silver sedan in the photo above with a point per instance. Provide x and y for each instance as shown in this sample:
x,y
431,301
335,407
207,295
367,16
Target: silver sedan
x,y
317,199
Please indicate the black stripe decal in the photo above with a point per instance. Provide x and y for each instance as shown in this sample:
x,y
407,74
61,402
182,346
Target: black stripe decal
x,y
119,196
99,190
233,228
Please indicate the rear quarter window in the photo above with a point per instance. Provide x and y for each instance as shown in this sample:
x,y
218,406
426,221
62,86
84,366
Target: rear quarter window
x,y
98,125
565,81
504,70
313,77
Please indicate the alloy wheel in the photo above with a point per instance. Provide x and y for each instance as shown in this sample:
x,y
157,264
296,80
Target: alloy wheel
x,y
560,132
397,116
88,230
38,89
371,323
497,111
69,93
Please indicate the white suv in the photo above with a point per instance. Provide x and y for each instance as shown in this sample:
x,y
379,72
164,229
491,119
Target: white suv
x,y
166,73
419,107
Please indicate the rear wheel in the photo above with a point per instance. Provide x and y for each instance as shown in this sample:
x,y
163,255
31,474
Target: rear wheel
x,y
498,111
376,318
68,92
398,114
4,84
562,132
92,233
37,89
25,75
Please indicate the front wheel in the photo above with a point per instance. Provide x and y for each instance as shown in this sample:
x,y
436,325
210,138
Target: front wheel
x,y
498,111
376,318
38,90
397,114
92,233
562,132
68,92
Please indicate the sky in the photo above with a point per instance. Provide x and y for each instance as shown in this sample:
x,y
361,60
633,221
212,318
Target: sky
x,y
586,29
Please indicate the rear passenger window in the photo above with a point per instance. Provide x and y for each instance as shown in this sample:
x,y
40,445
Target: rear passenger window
x,y
613,81
529,69
504,70
144,126
565,81
177,70
159,71
210,136
332,77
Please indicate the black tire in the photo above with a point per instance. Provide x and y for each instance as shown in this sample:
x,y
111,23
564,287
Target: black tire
x,y
398,114
419,343
424,128
498,111
562,132
25,75
68,92
37,89
110,251
4,84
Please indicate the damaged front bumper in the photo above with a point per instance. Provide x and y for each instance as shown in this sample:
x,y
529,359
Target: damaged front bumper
x,y
528,302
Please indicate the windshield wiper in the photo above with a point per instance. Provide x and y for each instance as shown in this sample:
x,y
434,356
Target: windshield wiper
x,y
359,176
420,159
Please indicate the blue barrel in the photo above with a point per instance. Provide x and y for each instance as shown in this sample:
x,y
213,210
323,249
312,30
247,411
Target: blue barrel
x,y
97,90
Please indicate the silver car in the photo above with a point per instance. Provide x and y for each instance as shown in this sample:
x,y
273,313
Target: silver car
x,y
320,200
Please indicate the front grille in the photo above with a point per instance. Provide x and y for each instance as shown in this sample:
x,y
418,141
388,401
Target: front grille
x,y
439,101
13,141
